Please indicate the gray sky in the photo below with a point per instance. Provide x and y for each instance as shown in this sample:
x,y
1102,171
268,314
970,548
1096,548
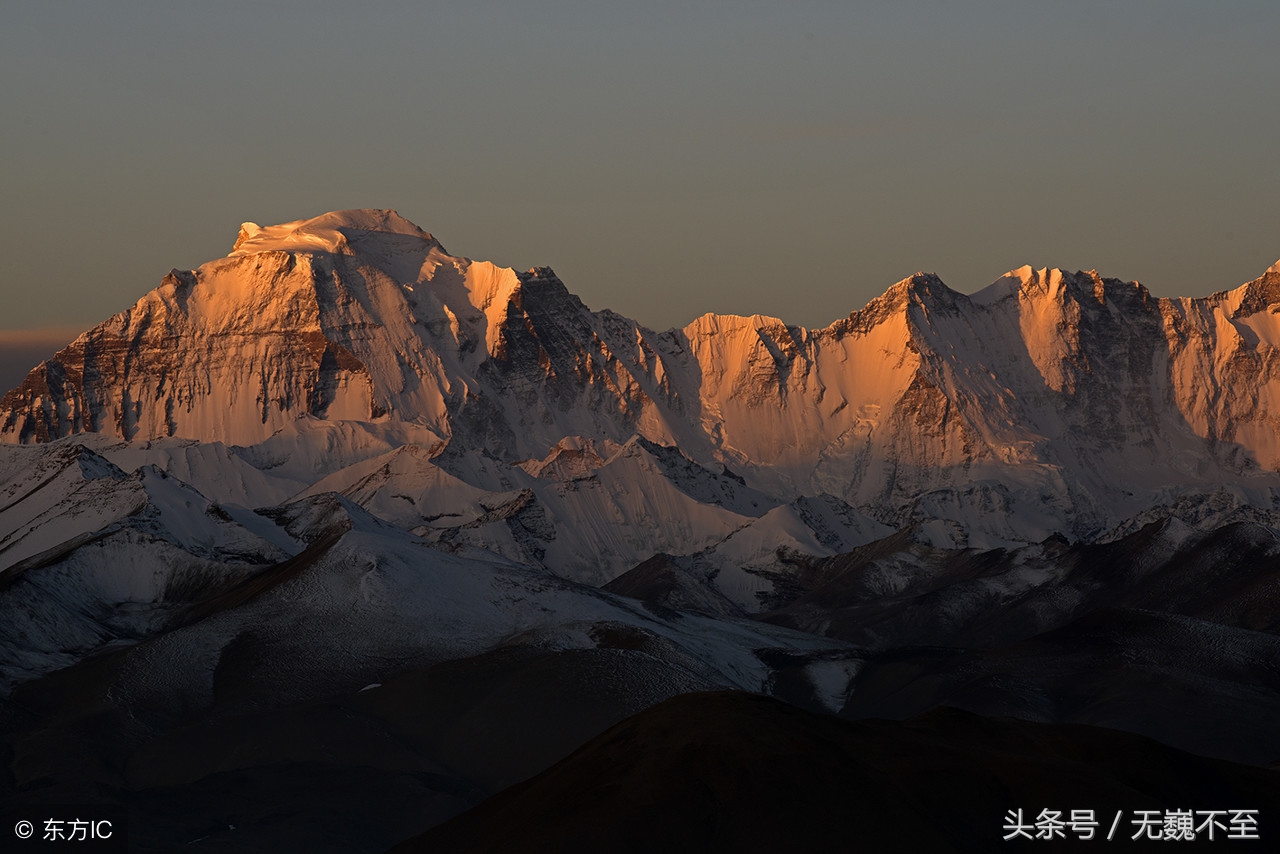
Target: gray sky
x,y
667,160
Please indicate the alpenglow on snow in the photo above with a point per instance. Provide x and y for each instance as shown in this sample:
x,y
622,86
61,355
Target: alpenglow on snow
x,y
1047,402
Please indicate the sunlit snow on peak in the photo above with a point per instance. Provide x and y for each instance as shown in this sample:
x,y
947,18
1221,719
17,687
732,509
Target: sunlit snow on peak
x,y
330,232
1047,280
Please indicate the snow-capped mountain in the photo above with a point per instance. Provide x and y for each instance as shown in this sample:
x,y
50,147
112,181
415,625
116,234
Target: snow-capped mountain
x,y
1047,402
345,521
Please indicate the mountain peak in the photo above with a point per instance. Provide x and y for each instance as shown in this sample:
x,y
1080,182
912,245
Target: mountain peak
x,y
925,289
1274,268
1019,279
330,232
922,284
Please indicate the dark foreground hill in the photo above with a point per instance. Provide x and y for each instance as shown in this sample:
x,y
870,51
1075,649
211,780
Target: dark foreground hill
x,y
737,772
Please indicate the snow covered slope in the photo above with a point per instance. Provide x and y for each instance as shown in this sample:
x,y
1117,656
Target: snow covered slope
x,y
1048,402
344,491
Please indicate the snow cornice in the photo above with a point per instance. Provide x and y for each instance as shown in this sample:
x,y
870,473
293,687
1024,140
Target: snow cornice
x,y
331,232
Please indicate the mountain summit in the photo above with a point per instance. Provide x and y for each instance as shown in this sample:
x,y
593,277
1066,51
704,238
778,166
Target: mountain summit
x,y
336,536
1048,402
331,232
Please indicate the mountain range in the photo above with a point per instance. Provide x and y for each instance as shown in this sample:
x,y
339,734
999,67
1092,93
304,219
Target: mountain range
x,y
343,506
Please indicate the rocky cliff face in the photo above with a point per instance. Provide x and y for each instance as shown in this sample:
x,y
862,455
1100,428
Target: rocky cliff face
x,y
341,485
1056,401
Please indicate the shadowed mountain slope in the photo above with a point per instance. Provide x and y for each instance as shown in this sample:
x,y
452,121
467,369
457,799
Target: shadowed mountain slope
x,y
737,772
